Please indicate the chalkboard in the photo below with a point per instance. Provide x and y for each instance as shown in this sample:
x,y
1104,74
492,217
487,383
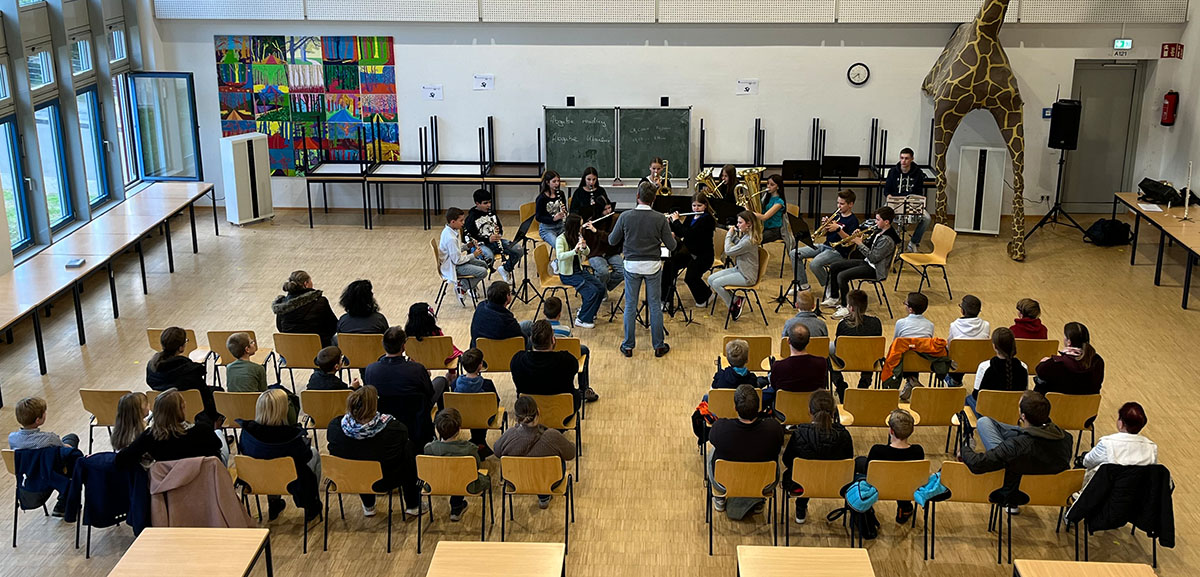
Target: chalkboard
x,y
577,138
649,132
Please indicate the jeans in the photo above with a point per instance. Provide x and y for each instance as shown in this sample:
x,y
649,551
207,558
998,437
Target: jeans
x,y
512,253
472,268
610,271
590,289
993,432
551,232
972,401
819,256
633,287
723,278
844,272
922,224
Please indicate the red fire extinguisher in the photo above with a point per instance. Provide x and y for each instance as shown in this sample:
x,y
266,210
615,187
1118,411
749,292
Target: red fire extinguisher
x,y
1170,108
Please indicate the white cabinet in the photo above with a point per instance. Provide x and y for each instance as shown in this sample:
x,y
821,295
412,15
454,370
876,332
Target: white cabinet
x,y
245,163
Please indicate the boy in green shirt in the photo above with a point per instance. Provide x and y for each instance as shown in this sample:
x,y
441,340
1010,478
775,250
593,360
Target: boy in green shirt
x,y
450,443
244,375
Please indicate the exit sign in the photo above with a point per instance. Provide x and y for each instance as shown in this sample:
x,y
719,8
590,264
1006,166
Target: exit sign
x,y
1123,44
1172,50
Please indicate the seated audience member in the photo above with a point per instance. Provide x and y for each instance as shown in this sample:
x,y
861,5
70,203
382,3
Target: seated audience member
x,y
365,434
1003,372
132,411
362,311
422,324
171,437
900,427
450,443
471,380
824,439
244,375
915,325
856,324
492,318
746,439
801,372
31,414
460,262
737,352
269,436
170,368
1028,325
1036,447
304,309
404,388
325,378
806,314
1077,369
968,326
543,370
553,310
532,439
1125,447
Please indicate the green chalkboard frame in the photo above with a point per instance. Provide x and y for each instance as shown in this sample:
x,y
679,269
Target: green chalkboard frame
x,y
676,148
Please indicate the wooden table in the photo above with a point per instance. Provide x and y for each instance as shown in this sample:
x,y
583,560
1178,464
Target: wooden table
x,y
187,552
484,559
1031,568
1184,233
761,561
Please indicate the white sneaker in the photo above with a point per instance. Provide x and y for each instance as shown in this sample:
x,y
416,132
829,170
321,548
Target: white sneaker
x,y
461,293
841,313
554,266
505,275
584,325
704,305
829,303
911,247
414,511
368,511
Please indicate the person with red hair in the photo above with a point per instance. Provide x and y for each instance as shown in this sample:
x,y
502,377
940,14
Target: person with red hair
x,y
1125,447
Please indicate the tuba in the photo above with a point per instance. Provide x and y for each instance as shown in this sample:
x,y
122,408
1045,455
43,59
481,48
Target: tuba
x,y
705,183
748,193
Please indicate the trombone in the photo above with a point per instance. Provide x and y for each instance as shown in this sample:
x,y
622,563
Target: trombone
x,y
664,181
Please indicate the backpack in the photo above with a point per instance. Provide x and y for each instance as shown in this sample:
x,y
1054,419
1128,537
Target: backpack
x,y
860,501
1108,232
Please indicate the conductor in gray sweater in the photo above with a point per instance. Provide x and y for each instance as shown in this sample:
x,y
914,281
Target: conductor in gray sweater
x,y
642,232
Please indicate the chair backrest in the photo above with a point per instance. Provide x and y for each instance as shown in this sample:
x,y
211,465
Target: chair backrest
x,y
431,352
265,476
556,411
823,479
860,353
478,410
936,406
914,363
967,487
870,407
541,257
968,353
498,353
1032,351
10,461
794,210
1052,490
154,337
350,476
216,344
817,346
192,403
447,475
943,240
437,256
720,402
532,475
571,345
719,243
102,404
1003,406
323,406
791,407
896,480
235,406
764,257
361,350
760,350
1071,412
527,210
298,349
745,479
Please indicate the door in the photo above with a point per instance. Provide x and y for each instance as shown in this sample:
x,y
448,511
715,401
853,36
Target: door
x,y
1110,92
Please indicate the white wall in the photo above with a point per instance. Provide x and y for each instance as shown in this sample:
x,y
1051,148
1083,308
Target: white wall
x,y
802,70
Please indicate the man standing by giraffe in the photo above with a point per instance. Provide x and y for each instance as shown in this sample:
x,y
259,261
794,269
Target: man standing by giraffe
x,y
902,180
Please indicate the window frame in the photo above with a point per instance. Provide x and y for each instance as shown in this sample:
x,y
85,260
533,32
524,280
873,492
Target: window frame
x,y
101,153
137,129
130,172
68,206
114,32
21,193
49,62
6,89
86,55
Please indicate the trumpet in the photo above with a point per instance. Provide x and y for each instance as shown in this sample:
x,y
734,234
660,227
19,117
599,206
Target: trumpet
x,y
822,230
864,234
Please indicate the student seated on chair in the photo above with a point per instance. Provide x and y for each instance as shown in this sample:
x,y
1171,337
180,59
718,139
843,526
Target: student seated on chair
x,y
304,309
244,375
820,255
968,326
807,315
900,427
1077,369
404,388
695,232
1028,325
745,439
170,368
801,372
733,375
902,180
1003,372
422,324
459,262
362,311
493,320
269,436
365,434
875,264
741,244
483,226
1125,447
915,325
543,370
471,380
571,251
31,414
856,324
553,310
450,443
171,437
325,378
606,260
132,411
529,438
824,439
773,210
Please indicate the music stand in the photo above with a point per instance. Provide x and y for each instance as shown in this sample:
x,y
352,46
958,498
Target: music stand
x,y
803,235
674,302
800,171
522,291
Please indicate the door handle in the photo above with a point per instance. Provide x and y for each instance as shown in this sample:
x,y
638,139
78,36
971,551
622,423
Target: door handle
x,y
28,185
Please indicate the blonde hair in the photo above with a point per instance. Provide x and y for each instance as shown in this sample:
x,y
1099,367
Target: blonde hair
x,y
169,419
29,410
901,424
271,408
738,352
296,281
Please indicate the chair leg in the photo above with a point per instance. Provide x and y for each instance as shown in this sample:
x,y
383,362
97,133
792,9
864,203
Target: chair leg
x,y
483,498
567,518
787,523
88,551
711,519
325,545
947,279
999,536
760,308
899,272
305,536
341,509
1009,534
419,515
503,517
389,528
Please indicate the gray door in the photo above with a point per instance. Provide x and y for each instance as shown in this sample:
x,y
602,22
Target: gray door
x,y
1101,165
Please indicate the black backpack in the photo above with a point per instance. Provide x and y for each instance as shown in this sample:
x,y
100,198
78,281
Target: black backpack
x,y
1108,232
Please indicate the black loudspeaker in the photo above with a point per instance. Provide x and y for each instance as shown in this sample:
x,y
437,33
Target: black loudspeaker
x,y
1064,124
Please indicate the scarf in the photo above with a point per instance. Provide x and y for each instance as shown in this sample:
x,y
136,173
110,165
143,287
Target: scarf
x,y
356,430
741,371
1073,352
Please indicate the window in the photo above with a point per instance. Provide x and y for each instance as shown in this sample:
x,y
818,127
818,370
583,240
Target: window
x,y
11,183
54,175
4,93
116,44
165,129
93,145
28,2
81,57
41,70
129,170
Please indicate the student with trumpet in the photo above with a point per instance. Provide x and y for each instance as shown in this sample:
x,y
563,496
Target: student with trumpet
x,y
875,264
695,231
835,227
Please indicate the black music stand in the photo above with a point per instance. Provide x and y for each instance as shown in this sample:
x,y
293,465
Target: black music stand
x,y
803,235
800,171
521,293
674,302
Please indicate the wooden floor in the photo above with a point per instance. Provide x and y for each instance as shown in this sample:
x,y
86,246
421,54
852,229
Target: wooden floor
x,y
639,509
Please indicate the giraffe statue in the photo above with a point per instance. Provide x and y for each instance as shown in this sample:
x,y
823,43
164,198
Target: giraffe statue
x,y
974,73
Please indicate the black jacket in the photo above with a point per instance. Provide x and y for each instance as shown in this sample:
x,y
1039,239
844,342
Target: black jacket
x,y
306,311
696,232
176,371
912,181
277,441
809,442
113,494
1044,450
494,322
589,205
390,448
1120,494
198,441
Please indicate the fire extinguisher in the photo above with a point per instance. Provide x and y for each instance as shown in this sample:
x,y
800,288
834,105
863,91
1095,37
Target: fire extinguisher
x,y
1170,108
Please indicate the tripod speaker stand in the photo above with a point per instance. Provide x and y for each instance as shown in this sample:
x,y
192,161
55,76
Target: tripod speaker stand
x,y
1057,210
1064,135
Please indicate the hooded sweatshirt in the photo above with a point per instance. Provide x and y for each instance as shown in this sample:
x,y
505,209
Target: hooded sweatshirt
x,y
1043,450
1024,328
969,328
305,311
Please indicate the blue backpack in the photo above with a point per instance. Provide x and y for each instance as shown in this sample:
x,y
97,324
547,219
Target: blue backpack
x,y
861,495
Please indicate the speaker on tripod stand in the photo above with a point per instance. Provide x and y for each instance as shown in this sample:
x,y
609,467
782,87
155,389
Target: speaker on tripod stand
x,y
1064,136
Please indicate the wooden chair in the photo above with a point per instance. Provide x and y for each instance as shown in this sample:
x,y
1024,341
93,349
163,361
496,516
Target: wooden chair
x,y
792,408
880,292
450,477
349,477
558,412
265,477
817,346
720,402
222,357
897,480
1003,406
573,346
448,286
914,363
432,352
870,408
943,242
235,406
191,348
965,487
821,480
548,280
967,354
499,353
527,210
936,407
478,410
192,403
859,354
751,289
537,476
10,464
360,350
1032,351
296,351
759,358
752,480
1075,413
718,249
1046,491
102,404
321,407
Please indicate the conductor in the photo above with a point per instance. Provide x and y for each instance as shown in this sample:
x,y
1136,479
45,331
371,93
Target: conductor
x,y
642,232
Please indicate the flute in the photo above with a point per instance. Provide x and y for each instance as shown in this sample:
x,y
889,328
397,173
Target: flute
x,y
686,213
594,221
